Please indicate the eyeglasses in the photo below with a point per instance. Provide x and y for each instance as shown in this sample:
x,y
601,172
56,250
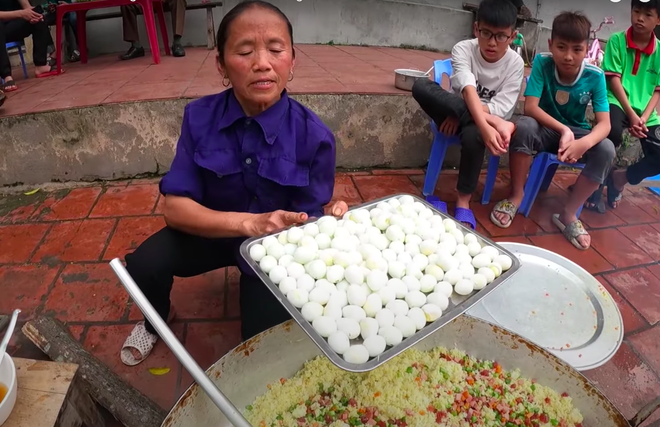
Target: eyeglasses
x,y
499,37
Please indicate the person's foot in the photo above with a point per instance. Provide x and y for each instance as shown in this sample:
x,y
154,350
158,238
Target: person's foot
x,y
132,53
178,51
584,240
619,181
504,218
9,85
463,202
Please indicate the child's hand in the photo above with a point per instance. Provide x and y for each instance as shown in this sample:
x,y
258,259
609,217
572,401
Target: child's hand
x,y
573,151
566,138
450,126
493,140
506,130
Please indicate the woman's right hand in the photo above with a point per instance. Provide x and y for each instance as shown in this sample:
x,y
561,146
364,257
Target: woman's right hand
x,y
30,15
266,223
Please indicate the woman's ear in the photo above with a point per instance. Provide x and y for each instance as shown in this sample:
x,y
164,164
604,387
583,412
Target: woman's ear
x,y
219,66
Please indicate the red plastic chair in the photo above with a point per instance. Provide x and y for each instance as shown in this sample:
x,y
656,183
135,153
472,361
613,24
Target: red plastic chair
x,y
148,7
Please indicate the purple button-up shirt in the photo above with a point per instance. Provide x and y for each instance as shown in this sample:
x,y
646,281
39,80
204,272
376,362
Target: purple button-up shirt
x,y
283,158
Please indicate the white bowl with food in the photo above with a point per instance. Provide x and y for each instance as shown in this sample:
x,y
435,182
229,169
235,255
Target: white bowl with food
x,y
8,387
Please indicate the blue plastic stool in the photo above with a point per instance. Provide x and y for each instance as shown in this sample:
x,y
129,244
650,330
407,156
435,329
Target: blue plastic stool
x,y
440,140
19,46
540,177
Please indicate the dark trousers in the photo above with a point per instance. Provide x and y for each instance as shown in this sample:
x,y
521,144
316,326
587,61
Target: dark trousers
x,y
129,18
440,104
70,29
16,30
649,165
171,253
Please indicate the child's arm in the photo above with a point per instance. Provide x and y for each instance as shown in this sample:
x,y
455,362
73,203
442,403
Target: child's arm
x,y
464,81
506,99
533,96
653,103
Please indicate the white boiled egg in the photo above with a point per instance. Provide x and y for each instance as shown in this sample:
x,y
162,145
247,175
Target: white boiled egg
x,y
298,297
356,295
267,263
412,283
405,325
309,242
325,326
368,327
481,260
432,312
354,275
319,295
418,317
257,252
428,247
376,280
404,257
395,233
288,284
392,335
446,261
311,310
350,327
339,299
353,312
397,247
398,307
458,235
356,354
448,246
281,238
467,270
305,282
277,274
324,284
439,299
421,261
328,256
323,240
295,234
290,249
406,200
380,242
488,273
496,267
316,269
434,271
387,294
396,269
333,310
334,274
450,224
375,345
400,288
490,251
479,281
505,261
453,276
413,239
285,260
269,240
427,283
373,305
461,249
415,299
474,248
444,288
385,317
470,238
338,342
464,287
327,225
304,255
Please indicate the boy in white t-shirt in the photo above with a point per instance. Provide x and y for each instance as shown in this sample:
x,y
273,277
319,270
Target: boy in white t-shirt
x,y
486,82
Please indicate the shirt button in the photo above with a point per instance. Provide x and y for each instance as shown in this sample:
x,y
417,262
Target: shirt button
x,y
248,161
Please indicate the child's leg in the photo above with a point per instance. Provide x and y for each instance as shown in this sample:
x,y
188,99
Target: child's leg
x,y
529,137
439,103
646,167
472,158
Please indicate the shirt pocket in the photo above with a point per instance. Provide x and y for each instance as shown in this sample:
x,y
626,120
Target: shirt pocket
x,y
222,177
279,180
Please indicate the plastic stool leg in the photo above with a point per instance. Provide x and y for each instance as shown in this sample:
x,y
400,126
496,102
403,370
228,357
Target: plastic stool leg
x,y
436,159
534,181
549,175
20,55
491,176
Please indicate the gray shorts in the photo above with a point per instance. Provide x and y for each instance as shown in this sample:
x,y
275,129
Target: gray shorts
x,y
531,138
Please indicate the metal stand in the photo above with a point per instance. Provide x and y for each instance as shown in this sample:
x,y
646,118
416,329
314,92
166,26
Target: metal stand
x,y
214,393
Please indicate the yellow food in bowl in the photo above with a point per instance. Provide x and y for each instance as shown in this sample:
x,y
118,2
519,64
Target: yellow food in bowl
x,y
416,389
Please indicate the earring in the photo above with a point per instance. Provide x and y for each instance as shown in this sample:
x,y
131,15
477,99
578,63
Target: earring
x,y
225,81
290,75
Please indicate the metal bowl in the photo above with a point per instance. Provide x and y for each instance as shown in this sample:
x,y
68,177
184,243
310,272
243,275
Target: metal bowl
x,y
405,78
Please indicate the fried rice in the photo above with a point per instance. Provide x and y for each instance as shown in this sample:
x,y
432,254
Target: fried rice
x,y
418,388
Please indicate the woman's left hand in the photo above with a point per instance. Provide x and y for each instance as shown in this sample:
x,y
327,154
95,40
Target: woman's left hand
x,y
338,209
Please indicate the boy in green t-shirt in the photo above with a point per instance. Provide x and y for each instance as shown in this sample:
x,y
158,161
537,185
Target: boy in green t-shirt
x,y
632,67
560,87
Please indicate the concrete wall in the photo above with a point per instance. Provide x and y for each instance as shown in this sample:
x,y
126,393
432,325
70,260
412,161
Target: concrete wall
x,y
436,23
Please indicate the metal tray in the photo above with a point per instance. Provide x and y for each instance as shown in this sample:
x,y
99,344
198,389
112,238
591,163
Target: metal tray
x,y
457,304
558,306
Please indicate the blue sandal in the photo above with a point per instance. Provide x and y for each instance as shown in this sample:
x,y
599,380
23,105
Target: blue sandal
x,y
466,216
437,203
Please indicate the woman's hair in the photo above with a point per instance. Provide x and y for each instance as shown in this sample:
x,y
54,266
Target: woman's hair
x,y
236,11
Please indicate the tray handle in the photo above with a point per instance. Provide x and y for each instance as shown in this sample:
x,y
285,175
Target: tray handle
x,y
645,412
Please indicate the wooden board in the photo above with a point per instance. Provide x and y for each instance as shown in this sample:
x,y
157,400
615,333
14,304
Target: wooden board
x,y
45,396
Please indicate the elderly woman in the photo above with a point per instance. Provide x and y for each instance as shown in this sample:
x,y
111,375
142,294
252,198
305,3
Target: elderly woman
x,y
249,161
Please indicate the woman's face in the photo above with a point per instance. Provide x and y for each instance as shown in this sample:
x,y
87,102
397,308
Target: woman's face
x,y
258,59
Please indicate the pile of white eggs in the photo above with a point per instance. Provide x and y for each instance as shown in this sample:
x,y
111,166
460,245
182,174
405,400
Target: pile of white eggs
x,y
380,274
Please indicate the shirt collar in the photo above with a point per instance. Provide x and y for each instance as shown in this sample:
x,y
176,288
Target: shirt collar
x,y
649,49
270,120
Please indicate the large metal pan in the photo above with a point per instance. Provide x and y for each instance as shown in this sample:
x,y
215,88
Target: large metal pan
x,y
243,373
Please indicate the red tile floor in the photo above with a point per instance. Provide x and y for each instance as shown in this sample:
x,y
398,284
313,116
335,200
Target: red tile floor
x,y
56,247
106,79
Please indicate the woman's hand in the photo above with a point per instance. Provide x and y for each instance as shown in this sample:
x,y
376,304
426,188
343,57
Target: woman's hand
x,y
30,15
338,209
266,223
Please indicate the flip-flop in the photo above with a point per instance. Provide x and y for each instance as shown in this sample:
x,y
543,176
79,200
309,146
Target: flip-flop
x,y
613,194
52,72
571,231
9,86
505,207
466,216
141,340
595,202
437,203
